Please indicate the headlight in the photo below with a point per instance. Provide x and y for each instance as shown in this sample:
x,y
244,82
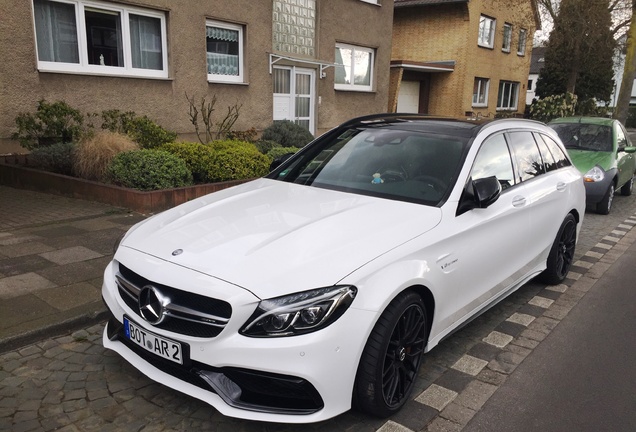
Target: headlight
x,y
299,313
596,174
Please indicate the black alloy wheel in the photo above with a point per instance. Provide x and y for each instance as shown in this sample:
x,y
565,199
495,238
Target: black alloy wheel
x,y
561,254
391,359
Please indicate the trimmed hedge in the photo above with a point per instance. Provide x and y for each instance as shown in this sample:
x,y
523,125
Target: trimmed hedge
x,y
149,170
57,158
236,160
196,156
287,134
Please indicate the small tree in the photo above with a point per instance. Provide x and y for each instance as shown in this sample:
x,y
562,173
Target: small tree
x,y
203,111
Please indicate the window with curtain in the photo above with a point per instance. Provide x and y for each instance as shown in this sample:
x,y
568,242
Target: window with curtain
x,y
354,68
486,32
100,38
507,37
521,46
480,92
224,50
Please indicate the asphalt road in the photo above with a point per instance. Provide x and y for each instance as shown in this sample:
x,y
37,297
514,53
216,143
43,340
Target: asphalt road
x,y
582,376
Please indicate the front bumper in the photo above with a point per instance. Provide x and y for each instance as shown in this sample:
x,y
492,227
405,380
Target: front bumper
x,y
299,379
596,191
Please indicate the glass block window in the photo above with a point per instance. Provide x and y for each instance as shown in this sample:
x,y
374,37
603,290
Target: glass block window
x,y
294,27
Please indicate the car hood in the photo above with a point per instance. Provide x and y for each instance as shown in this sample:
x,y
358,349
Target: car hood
x,y
585,160
273,238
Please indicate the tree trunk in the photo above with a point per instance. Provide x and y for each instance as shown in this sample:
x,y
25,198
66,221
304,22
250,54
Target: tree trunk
x,y
629,73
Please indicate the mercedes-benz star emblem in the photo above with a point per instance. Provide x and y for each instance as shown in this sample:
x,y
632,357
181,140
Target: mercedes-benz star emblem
x,y
152,305
177,252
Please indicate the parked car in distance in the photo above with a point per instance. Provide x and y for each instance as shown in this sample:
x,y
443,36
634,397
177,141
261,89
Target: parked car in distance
x,y
602,151
319,287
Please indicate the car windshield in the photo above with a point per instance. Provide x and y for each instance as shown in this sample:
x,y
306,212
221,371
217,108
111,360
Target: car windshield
x,y
403,165
583,136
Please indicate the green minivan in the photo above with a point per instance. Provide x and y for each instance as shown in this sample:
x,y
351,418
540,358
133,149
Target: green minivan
x,y
602,151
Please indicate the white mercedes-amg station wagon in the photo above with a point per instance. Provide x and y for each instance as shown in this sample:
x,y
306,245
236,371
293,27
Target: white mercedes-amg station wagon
x,y
296,296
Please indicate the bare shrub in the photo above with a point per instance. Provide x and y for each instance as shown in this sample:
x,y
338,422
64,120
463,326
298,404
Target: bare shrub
x,y
93,155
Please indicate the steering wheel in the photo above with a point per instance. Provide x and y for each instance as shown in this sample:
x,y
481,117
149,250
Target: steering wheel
x,y
434,182
391,175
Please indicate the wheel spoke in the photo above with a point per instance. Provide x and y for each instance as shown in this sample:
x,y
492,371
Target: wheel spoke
x,y
403,355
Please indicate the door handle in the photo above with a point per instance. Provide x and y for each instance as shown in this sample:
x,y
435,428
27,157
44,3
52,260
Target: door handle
x,y
561,186
518,201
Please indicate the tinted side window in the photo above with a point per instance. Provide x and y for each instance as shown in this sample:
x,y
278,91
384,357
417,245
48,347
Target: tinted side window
x,y
529,162
558,153
549,162
494,159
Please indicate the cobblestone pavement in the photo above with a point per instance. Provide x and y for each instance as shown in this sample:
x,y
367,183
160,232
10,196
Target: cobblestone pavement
x,y
71,383
19,208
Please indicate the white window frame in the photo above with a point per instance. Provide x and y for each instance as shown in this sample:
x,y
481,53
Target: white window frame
x,y
353,86
228,78
483,39
506,43
513,97
483,86
83,67
521,45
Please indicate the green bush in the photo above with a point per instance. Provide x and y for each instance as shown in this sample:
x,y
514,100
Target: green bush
x,y
198,157
555,106
287,134
149,170
236,160
52,123
277,152
265,146
142,130
247,135
57,158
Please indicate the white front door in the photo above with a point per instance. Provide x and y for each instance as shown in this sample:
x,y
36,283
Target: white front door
x,y
294,95
409,97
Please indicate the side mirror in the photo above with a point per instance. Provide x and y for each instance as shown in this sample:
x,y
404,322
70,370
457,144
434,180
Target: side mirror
x,y
629,149
279,161
487,191
479,193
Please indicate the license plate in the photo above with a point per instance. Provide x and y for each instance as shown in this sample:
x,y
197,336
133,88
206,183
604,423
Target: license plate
x,y
164,348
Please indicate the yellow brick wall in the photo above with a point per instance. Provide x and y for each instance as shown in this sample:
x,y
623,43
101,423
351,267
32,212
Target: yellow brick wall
x,y
449,32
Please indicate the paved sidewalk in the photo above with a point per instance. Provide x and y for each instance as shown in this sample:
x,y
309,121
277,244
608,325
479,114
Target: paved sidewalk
x,y
53,251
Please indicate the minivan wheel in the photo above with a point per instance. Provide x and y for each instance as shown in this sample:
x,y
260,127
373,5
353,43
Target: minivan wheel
x,y
561,254
605,205
628,187
392,356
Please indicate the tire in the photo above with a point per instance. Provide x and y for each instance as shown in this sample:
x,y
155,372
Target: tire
x,y
628,187
605,205
391,358
561,254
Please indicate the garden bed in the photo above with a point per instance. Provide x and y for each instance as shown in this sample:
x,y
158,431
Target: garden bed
x,y
15,172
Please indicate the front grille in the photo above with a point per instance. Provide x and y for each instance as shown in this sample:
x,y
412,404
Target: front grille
x,y
187,313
